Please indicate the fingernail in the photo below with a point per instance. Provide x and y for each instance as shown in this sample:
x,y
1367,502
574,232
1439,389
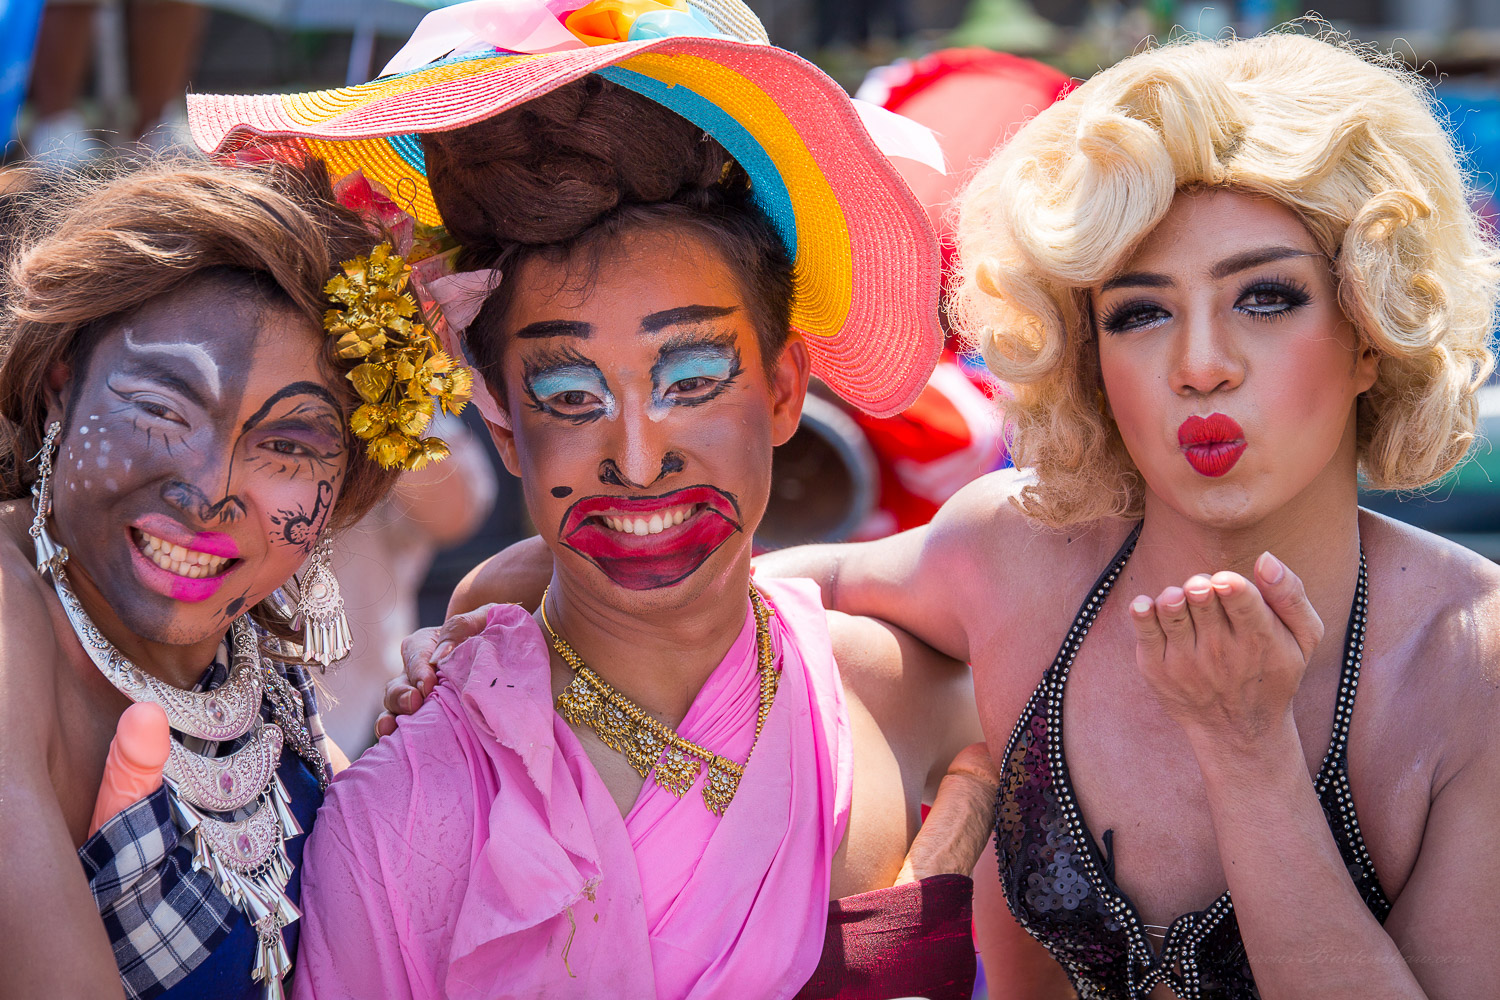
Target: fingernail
x,y
1197,591
443,649
1270,568
409,701
1141,605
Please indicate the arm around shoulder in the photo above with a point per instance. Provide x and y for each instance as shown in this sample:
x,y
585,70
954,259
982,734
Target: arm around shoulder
x,y
919,580
515,575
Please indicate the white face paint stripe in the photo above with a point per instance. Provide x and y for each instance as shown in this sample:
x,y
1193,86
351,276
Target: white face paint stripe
x,y
195,353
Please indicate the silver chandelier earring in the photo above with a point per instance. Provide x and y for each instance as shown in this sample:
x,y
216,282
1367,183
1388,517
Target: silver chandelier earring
x,y
48,552
320,608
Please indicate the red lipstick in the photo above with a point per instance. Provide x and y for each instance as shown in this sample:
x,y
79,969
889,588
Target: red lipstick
x,y
631,543
1211,444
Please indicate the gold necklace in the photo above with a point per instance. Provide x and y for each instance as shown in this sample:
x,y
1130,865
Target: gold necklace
x,y
652,748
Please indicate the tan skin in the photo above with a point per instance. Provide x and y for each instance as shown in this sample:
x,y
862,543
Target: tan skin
x,y
57,710
1202,701
627,435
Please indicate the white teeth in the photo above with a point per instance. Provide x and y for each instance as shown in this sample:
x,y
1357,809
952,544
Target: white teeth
x,y
180,561
658,522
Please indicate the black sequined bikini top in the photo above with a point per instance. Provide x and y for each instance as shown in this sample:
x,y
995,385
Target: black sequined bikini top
x,y
1061,887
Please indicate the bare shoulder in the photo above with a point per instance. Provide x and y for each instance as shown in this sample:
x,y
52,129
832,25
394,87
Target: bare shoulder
x,y
873,655
29,648
1436,606
515,575
984,522
922,700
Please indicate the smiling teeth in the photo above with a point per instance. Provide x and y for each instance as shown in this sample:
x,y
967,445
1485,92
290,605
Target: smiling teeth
x,y
176,559
657,522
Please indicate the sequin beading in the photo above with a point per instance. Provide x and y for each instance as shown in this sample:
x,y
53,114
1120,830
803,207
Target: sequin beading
x,y
1060,886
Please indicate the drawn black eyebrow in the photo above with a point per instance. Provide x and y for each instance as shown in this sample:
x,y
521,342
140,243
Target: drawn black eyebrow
x,y
683,315
1223,269
1255,258
1137,279
156,371
555,328
295,389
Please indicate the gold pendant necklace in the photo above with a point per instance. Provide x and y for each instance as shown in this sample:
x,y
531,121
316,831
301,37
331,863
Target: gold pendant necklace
x,y
653,749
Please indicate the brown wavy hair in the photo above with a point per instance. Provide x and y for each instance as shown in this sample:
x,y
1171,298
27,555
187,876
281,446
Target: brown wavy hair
x,y
84,253
564,175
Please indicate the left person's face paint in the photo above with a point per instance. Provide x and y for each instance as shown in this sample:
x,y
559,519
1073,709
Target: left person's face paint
x,y
201,457
644,418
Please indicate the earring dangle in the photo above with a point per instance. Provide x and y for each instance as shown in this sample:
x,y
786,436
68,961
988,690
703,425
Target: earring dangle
x,y
48,553
320,607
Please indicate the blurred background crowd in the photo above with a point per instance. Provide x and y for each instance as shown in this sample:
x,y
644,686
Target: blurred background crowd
x,y
81,82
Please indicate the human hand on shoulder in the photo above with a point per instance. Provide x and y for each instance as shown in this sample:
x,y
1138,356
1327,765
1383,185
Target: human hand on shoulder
x,y
422,653
516,575
1225,655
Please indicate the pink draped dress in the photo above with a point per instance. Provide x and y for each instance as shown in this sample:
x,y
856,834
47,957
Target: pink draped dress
x,y
477,853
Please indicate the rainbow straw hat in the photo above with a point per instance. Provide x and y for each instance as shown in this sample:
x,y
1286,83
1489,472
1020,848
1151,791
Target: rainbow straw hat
x,y
865,257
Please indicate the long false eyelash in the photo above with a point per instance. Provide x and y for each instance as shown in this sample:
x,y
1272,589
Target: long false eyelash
x,y
1112,321
537,405
1295,292
555,357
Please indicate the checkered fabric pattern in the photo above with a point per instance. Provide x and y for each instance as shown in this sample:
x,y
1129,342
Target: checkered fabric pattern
x,y
164,918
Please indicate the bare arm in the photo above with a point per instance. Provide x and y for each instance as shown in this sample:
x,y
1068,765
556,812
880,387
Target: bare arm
x,y
922,579
52,942
1225,655
516,574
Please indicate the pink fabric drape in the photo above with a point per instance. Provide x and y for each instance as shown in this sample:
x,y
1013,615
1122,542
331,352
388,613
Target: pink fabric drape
x,y
478,854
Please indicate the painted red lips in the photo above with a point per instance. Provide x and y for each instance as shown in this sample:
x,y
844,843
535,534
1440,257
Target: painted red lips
x,y
642,543
1211,444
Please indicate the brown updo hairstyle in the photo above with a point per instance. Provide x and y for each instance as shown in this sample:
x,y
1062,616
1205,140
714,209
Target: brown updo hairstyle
x,y
83,254
565,175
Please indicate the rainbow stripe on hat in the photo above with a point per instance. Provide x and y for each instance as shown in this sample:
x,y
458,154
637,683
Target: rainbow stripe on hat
x,y
865,261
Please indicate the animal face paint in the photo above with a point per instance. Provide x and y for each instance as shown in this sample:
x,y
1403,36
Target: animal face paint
x,y
225,453
645,398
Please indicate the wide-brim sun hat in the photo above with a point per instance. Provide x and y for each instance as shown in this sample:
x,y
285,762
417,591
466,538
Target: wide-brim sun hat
x,y
865,259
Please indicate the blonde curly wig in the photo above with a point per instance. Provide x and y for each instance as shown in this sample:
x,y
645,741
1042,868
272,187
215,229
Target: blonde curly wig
x,y
1344,138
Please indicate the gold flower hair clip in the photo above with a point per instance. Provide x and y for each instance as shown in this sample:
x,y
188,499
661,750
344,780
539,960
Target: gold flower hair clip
x,y
404,376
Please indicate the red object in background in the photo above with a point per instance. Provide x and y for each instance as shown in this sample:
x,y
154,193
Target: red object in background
x,y
974,100
949,437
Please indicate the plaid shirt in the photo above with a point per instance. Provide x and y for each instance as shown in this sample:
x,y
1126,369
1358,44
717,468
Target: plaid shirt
x,y
164,919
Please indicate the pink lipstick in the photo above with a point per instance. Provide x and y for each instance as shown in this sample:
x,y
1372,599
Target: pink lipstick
x,y
178,563
642,543
1211,444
